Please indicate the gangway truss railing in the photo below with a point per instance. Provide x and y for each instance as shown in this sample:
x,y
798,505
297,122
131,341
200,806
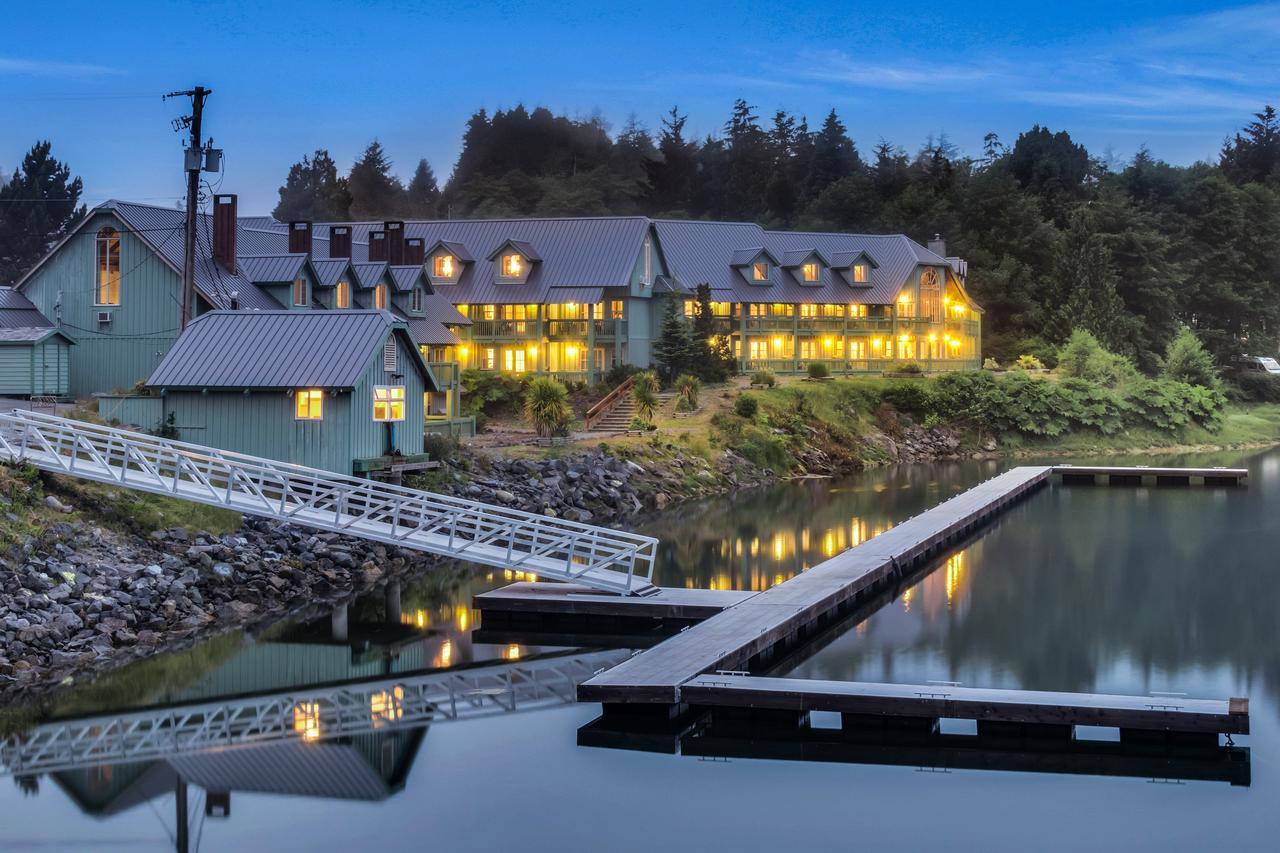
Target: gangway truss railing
x,y
603,558
305,714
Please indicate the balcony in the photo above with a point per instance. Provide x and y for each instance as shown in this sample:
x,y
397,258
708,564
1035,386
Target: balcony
x,y
575,329
503,329
447,373
770,324
821,324
613,328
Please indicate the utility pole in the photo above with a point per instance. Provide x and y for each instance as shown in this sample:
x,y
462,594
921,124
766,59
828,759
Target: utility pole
x,y
194,164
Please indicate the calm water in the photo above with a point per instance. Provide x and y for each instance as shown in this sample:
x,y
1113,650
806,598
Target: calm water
x,y
1091,589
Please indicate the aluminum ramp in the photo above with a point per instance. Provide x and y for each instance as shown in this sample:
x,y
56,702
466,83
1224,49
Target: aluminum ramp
x,y
599,557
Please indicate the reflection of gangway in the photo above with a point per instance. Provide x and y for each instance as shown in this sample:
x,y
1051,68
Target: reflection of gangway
x,y
599,557
309,714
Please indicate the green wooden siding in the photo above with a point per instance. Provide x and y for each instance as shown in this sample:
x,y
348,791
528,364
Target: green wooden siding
x,y
368,437
15,370
146,413
143,326
50,367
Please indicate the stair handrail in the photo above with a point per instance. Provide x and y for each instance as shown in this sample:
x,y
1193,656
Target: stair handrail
x,y
610,402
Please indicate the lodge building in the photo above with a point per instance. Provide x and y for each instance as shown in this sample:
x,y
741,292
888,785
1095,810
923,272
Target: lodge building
x,y
570,297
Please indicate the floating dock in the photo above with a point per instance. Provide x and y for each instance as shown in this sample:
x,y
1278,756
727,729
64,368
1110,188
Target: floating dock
x,y
1135,475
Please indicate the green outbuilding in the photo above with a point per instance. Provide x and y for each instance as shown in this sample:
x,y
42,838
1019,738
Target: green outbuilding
x,y
338,390
35,355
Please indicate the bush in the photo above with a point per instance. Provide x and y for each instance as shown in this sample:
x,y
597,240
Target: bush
x,y
1186,360
990,364
618,374
644,393
1028,362
1256,387
546,406
908,368
746,406
489,394
765,378
439,446
641,425
915,398
818,370
1082,357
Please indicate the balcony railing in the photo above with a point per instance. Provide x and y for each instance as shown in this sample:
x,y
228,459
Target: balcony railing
x,y
447,373
503,328
611,328
576,329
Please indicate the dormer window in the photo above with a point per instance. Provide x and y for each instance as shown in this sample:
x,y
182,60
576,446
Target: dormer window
x,y
444,266
380,297
342,295
809,271
300,292
760,271
861,273
415,301
512,265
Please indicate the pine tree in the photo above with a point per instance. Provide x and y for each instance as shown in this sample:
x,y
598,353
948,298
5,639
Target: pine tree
x,y
673,351
1254,155
713,359
313,191
834,157
1088,298
38,207
375,192
422,196
748,162
671,175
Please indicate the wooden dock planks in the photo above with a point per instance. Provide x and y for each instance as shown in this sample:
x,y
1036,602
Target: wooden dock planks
x,y
732,638
1030,707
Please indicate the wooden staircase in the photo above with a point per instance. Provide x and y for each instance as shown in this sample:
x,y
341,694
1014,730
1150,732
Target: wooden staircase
x,y
615,411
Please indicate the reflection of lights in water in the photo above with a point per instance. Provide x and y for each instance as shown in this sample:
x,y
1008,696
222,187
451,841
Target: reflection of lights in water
x,y
755,547
306,720
906,599
777,579
737,547
417,619
804,539
779,545
955,566
512,652
829,544
463,617
861,628
445,656
387,706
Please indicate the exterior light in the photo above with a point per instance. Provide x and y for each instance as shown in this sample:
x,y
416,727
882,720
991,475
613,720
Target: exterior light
x,y
462,351
875,342
933,338
533,349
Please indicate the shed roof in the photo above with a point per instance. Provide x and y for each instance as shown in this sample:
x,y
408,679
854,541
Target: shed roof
x,y
278,349
30,335
18,312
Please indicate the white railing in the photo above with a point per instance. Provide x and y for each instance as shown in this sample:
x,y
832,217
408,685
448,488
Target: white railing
x,y
600,557
306,715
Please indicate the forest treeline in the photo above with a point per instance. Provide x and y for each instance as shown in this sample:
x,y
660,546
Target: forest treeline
x,y
1056,237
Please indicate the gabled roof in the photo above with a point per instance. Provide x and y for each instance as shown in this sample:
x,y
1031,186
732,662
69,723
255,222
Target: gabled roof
x,y
456,249
237,350
406,278
271,269
746,257
524,247
369,273
427,330
330,271
799,257
31,335
844,260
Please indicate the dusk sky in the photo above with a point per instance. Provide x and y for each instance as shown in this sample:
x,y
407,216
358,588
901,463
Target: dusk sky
x,y
1176,76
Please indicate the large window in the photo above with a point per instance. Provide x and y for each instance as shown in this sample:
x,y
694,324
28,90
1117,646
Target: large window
x,y
388,402
342,296
514,360
810,271
512,265
108,290
380,297
300,291
308,404
443,266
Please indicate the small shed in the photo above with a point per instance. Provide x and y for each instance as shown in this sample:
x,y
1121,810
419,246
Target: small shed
x,y
35,355
337,390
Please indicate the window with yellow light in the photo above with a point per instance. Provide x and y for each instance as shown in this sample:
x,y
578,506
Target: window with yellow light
x,y
512,265
809,271
443,266
388,403
760,271
308,404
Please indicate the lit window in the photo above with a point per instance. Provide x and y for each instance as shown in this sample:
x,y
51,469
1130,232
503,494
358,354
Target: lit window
x,y
415,302
860,273
615,309
388,402
443,266
810,271
488,312
490,359
308,404
760,271
514,360
300,292
342,297
108,289
380,297
512,265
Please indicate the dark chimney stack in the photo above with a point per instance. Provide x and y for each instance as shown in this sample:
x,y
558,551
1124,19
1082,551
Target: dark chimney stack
x,y
300,238
224,231
339,241
938,246
395,243
378,246
415,251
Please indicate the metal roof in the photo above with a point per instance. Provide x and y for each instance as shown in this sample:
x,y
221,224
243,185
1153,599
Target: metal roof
x,y
330,271
30,334
369,273
276,349
458,251
271,269
18,312
436,306
405,278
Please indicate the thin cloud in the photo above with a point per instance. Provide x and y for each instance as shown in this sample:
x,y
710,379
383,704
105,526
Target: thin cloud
x,y
52,68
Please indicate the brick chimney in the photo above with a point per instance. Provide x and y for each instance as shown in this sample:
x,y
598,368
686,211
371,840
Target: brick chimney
x,y
300,237
395,243
938,246
415,251
339,241
224,231
378,246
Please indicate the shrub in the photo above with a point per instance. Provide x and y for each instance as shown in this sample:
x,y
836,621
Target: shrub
x,y
746,406
491,394
1256,387
546,406
1029,362
641,425
765,378
688,386
1082,357
1186,360
908,368
618,374
440,446
818,370
990,364
915,398
645,395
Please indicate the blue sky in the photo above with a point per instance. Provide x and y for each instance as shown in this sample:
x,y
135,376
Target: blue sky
x,y
288,78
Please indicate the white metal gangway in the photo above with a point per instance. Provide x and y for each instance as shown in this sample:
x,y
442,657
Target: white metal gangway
x,y
305,714
599,557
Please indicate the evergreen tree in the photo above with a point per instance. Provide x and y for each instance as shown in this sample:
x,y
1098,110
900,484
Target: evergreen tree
x,y
313,191
674,351
1255,154
1085,277
833,158
713,359
671,174
1186,360
38,207
375,192
422,196
748,164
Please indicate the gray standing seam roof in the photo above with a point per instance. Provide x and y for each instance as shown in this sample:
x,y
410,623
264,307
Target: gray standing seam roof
x,y
330,271
274,349
271,269
18,312
405,278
